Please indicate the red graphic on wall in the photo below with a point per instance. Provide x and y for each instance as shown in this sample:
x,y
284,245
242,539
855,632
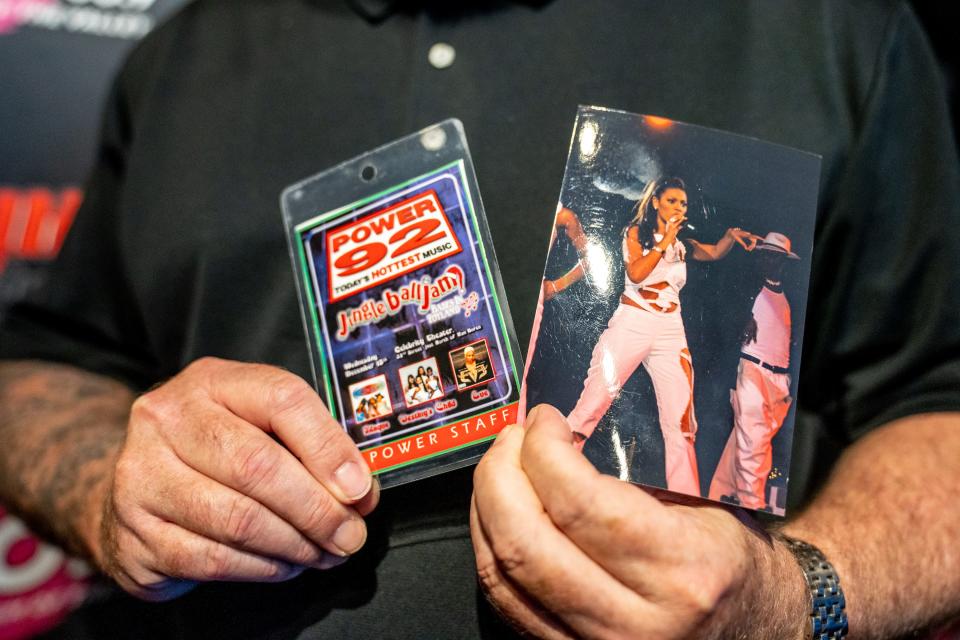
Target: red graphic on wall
x,y
34,221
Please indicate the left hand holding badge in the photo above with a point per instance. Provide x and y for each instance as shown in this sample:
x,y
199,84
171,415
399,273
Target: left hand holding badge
x,y
564,551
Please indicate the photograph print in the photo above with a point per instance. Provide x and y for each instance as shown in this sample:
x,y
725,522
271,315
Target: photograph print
x,y
670,319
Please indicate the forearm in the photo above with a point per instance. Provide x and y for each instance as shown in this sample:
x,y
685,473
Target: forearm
x,y
710,252
641,267
570,277
61,430
889,520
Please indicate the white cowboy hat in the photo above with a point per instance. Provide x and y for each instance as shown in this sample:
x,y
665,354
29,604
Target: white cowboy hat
x,y
779,243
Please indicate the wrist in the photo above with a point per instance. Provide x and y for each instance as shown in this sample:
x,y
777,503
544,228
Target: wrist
x,y
773,601
794,593
91,534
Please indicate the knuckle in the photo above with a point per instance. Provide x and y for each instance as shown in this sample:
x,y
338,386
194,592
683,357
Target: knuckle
x,y
579,512
306,554
702,596
287,392
143,580
200,374
511,552
203,365
125,473
255,462
177,561
244,521
150,408
488,576
215,563
321,518
571,516
327,443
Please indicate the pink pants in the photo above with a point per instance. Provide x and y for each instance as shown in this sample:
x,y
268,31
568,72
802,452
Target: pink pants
x,y
634,337
760,404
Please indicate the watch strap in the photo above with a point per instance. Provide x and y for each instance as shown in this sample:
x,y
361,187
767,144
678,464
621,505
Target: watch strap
x,y
828,616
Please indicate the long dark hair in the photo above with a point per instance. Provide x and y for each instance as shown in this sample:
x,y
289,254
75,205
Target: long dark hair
x,y
644,216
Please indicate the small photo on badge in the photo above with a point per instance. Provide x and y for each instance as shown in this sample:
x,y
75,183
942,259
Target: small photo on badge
x,y
370,399
471,365
421,382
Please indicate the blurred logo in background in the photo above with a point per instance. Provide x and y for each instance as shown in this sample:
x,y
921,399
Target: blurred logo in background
x,y
39,585
34,221
106,18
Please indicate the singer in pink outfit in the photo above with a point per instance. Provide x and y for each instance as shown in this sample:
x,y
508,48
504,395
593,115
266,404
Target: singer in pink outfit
x,y
647,327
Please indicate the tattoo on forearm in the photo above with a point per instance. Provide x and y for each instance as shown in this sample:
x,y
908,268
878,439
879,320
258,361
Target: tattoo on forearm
x,y
60,430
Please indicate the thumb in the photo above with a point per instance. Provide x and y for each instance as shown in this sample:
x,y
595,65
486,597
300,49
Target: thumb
x,y
548,422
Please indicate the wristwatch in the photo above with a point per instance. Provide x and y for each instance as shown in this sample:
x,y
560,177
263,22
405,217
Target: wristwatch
x,y
828,617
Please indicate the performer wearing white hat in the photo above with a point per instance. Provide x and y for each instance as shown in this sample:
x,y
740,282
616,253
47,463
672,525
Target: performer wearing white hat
x,y
762,397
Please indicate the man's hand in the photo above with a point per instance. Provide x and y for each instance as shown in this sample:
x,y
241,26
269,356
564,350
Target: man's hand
x,y
231,471
564,551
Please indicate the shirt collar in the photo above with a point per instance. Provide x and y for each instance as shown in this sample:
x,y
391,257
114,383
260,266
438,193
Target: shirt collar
x,y
373,10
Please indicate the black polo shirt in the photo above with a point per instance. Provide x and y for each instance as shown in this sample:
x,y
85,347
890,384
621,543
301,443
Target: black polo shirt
x,y
179,251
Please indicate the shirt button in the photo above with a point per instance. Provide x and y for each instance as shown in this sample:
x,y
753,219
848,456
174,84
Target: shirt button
x,y
441,55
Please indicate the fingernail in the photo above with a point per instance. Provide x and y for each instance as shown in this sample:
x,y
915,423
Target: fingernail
x,y
329,561
293,571
350,536
535,416
353,481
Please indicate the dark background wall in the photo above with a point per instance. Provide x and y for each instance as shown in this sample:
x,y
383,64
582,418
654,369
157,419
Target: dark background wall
x,y
939,20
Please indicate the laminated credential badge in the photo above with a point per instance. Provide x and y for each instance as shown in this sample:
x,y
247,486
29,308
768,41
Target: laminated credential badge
x,y
410,338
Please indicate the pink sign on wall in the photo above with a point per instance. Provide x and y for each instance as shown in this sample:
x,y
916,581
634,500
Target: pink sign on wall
x,y
39,585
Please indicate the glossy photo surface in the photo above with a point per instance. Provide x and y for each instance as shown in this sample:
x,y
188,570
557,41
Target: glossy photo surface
x,y
669,326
